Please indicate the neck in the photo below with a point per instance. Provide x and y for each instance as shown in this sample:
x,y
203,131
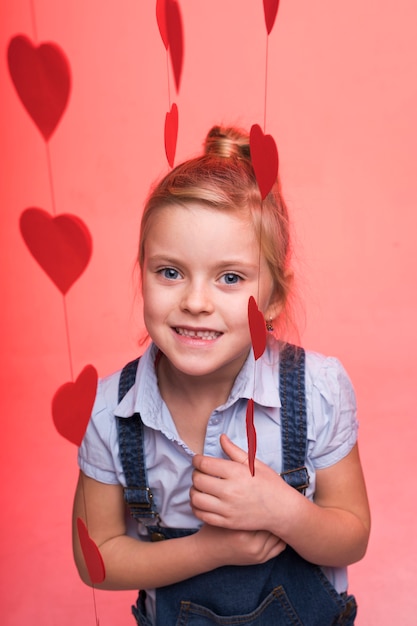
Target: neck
x,y
191,400
208,391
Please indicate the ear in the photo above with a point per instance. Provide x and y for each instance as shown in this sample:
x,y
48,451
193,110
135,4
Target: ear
x,y
274,310
277,302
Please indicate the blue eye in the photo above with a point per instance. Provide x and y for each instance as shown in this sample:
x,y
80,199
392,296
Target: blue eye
x,y
169,273
231,279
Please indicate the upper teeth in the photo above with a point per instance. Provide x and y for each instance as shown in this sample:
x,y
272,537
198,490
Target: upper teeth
x,y
202,334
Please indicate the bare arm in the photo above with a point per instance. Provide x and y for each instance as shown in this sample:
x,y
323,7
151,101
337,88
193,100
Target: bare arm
x,y
133,564
333,530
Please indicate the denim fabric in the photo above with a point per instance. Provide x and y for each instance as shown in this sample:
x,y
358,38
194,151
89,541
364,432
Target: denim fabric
x,y
137,494
287,590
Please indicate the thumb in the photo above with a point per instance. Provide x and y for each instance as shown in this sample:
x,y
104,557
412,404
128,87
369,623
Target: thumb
x,y
232,450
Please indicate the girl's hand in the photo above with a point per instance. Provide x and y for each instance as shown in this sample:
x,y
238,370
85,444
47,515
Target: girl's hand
x,y
224,493
332,530
220,546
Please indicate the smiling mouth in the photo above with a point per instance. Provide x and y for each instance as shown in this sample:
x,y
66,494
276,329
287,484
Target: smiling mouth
x,y
207,335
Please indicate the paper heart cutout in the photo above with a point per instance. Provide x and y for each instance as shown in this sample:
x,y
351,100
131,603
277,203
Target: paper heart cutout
x,y
175,38
161,21
257,328
251,435
72,405
264,156
42,78
270,10
92,556
61,245
171,134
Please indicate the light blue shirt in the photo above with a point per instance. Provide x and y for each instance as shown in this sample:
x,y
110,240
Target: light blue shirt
x,y
331,430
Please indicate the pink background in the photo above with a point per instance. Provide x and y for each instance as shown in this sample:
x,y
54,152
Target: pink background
x,y
341,104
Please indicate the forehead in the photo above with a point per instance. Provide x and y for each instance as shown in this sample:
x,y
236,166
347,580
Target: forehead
x,y
196,222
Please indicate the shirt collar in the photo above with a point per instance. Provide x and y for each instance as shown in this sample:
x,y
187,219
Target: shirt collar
x,y
143,397
257,380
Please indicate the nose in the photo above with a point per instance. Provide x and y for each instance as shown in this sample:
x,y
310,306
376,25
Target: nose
x,y
196,299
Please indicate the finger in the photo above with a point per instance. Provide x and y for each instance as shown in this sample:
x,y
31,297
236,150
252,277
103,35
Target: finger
x,y
276,548
232,450
206,508
207,484
273,545
212,466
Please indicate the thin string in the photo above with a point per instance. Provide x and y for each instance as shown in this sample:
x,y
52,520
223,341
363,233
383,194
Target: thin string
x,y
261,221
169,82
33,18
266,79
264,129
95,607
67,332
54,211
51,178
259,285
93,588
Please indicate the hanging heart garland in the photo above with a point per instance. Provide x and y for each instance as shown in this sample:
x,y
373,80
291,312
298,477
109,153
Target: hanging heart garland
x,y
251,435
270,11
257,328
92,556
264,156
169,22
161,19
175,38
72,405
61,245
265,162
171,134
258,338
42,78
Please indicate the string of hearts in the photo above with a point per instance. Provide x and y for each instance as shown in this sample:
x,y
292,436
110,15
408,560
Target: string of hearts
x,y
62,244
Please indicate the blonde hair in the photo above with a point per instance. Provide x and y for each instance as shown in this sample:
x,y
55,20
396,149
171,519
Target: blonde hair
x,y
223,178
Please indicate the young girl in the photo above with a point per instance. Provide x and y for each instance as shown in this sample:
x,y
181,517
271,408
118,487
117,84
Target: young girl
x,y
204,540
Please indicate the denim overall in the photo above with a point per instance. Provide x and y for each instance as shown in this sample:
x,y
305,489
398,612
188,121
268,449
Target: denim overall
x,y
285,591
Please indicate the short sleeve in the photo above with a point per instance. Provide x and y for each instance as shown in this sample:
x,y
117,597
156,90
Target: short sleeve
x,y
331,405
98,450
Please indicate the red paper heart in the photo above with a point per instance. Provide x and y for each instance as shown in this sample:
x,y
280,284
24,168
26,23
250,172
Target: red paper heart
x,y
270,10
161,20
264,155
257,328
72,405
92,556
61,245
171,133
175,38
251,435
42,78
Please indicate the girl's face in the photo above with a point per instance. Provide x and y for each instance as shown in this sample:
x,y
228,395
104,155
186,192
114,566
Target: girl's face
x,y
200,268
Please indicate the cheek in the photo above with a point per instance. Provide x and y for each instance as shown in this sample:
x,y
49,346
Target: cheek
x,y
236,313
150,306
157,302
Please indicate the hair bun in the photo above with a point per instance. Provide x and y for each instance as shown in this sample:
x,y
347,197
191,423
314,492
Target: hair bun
x,y
227,142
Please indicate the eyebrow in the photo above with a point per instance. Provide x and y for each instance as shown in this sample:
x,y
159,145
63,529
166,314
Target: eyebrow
x,y
223,264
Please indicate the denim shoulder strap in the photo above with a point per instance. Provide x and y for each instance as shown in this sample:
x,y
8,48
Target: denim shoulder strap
x,y
293,417
137,493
